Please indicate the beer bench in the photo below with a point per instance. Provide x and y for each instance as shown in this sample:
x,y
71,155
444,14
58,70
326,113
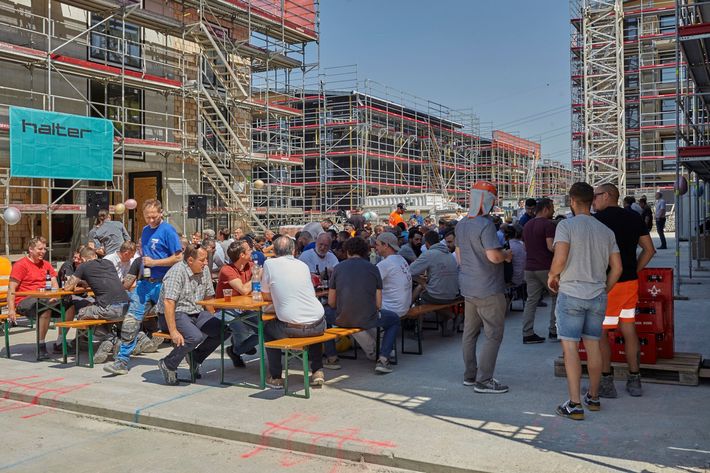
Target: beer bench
x,y
416,313
298,348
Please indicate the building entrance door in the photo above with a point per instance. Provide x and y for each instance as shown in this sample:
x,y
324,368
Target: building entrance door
x,y
141,187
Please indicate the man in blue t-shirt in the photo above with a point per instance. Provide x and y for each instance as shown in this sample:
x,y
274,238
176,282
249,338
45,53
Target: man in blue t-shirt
x,y
161,249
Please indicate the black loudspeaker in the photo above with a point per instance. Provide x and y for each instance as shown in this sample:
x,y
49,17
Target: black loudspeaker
x,y
95,201
196,206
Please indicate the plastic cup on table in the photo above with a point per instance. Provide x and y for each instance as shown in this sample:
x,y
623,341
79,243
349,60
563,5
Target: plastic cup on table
x,y
227,295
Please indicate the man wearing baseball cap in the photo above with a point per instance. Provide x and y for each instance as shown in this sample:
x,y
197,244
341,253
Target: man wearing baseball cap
x,y
482,284
396,216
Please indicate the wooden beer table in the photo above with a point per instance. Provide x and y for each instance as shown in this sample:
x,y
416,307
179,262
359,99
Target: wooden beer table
x,y
252,310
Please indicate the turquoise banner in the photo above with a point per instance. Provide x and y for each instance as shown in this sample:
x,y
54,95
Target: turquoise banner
x,y
59,145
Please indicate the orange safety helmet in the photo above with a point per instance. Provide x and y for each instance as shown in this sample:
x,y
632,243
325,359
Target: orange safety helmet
x,y
486,186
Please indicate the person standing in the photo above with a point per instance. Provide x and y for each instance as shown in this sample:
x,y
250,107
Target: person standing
x,y
161,249
538,235
661,219
396,216
192,328
630,233
584,248
646,213
530,206
482,284
107,235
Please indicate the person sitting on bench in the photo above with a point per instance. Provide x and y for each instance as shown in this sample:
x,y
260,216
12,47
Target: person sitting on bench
x,y
29,274
286,282
191,327
354,301
442,282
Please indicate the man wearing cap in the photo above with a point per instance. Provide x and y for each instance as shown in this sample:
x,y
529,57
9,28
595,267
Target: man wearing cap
x,y
482,284
396,216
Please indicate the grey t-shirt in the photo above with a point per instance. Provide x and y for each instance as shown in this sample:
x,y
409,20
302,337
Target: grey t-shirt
x,y
590,245
478,277
356,282
110,235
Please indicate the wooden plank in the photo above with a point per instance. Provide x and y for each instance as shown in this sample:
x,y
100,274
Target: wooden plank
x,y
684,370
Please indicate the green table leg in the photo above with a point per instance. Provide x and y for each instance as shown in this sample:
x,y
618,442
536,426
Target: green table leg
x,y
286,356
262,351
7,336
76,349
37,315
306,373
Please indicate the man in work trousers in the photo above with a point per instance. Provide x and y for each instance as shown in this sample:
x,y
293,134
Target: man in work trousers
x,y
661,219
630,232
192,328
584,249
161,250
482,284
538,235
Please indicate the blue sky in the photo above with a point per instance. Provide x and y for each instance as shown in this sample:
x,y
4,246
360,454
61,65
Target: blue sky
x,y
506,60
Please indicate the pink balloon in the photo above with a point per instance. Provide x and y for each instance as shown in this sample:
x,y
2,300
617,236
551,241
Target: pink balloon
x,y
131,204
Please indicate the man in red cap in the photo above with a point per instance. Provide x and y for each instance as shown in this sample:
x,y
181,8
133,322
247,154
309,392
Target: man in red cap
x,y
482,284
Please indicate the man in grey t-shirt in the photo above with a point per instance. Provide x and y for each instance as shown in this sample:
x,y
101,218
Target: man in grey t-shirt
x,y
584,249
482,284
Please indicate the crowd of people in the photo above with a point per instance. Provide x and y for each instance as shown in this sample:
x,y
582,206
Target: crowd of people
x,y
586,262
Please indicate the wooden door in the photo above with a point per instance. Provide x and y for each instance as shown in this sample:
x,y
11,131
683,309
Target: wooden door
x,y
141,187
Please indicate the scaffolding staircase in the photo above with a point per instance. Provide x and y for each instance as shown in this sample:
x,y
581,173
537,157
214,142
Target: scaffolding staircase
x,y
435,157
225,123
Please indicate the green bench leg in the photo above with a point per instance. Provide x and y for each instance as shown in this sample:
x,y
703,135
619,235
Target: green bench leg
x,y
306,373
91,347
303,356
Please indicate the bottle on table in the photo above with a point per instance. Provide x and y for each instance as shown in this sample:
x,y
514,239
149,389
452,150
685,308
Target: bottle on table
x,y
324,278
47,281
256,284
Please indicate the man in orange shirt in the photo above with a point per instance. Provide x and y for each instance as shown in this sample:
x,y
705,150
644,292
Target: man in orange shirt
x,y
396,215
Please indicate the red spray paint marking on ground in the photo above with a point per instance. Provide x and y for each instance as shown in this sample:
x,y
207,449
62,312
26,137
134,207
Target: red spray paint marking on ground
x,y
40,389
295,426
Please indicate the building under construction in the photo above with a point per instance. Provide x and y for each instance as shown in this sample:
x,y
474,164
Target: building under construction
x,y
553,178
623,67
201,95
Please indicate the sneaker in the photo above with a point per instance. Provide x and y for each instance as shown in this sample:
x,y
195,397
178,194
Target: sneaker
x,y
104,351
552,336
251,351
575,412
157,341
332,363
170,376
194,369
633,385
318,378
469,381
117,367
43,353
534,338
492,386
275,383
236,359
591,403
542,303
383,367
607,388
57,347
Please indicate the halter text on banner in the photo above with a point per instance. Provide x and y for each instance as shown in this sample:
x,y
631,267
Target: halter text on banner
x,y
60,146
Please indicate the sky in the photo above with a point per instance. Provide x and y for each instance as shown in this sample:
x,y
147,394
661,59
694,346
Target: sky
x,y
508,61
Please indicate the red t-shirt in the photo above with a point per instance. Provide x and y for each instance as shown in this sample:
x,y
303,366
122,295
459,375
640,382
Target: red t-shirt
x,y
535,232
30,276
230,272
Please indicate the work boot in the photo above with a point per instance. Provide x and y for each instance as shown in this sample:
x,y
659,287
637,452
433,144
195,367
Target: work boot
x,y
607,388
102,354
633,385
118,367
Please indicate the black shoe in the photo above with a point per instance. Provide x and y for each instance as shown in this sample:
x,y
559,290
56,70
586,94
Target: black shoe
x,y
534,338
43,354
542,303
552,336
251,351
57,347
236,359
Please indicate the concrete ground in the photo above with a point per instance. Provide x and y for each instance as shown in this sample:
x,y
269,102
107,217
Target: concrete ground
x,y
419,418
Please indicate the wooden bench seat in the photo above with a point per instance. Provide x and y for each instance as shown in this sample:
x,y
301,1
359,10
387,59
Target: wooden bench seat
x,y
298,348
417,312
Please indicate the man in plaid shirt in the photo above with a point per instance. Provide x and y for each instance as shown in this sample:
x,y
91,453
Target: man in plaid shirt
x,y
191,327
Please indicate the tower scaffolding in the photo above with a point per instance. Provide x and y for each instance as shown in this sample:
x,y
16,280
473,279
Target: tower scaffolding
x,y
187,84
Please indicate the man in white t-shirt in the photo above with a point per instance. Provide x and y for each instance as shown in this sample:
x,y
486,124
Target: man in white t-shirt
x,y
286,282
320,257
123,258
396,278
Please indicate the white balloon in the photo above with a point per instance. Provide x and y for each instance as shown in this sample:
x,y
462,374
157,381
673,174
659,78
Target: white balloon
x,y
258,184
12,215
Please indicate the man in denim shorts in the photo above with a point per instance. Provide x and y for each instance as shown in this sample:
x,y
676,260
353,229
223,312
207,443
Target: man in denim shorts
x,y
584,248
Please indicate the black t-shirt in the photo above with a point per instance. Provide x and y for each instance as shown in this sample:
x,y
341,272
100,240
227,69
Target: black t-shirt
x,y
101,275
628,228
136,268
65,271
357,221
356,282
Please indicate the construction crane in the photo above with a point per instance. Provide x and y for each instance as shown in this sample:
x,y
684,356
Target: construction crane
x,y
532,172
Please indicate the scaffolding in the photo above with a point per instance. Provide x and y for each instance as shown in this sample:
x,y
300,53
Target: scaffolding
x,y
650,67
365,139
553,178
507,161
203,91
